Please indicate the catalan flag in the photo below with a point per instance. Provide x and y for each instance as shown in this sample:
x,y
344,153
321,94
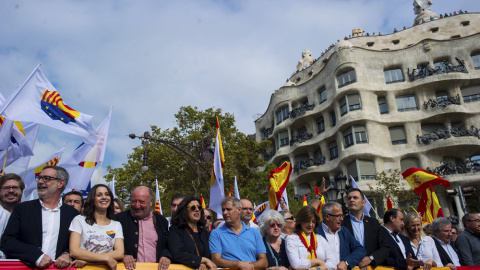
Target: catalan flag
x,y
278,182
259,210
31,172
217,191
158,203
429,207
39,102
420,179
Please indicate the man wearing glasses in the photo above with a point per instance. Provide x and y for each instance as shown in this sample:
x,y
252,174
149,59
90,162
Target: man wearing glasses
x,y
37,231
468,242
348,251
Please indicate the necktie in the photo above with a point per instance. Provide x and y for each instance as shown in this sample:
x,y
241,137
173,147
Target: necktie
x,y
395,236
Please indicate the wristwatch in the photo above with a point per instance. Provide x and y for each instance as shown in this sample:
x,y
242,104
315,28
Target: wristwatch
x,y
371,258
347,264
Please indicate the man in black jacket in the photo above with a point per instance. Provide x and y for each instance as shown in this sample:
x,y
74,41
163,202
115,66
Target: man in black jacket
x,y
401,253
37,231
366,230
442,231
145,233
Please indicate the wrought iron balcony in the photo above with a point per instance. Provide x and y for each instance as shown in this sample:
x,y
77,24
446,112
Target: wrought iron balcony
x,y
445,67
442,102
456,167
301,110
268,155
267,132
301,165
438,134
301,137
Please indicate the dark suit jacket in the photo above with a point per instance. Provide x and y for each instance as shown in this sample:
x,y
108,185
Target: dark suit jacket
x,y
375,242
351,250
183,248
395,258
130,234
443,254
22,238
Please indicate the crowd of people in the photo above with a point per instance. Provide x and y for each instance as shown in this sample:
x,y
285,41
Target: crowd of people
x,y
51,230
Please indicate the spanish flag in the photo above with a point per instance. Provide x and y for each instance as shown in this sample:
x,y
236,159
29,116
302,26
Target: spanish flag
x,y
429,208
278,182
202,202
305,200
321,204
389,204
420,180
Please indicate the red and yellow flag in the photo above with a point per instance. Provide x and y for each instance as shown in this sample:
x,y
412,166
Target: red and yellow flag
x,y
321,204
305,200
429,207
202,202
420,180
230,192
217,191
389,204
278,182
158,204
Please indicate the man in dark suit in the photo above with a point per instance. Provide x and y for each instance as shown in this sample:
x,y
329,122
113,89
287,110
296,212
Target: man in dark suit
x,y
442,231
401,252
348,251
37,231
366,230
145,233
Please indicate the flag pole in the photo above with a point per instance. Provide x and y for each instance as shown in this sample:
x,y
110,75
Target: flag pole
x,y
5,160
99,172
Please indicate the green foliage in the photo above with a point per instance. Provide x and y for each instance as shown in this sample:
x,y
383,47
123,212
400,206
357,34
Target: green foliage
x,y
172,162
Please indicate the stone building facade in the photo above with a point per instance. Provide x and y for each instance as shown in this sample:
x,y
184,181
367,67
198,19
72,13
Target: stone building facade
x,y
379,102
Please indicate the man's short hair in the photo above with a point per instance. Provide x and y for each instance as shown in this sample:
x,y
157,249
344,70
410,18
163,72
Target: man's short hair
x,y
356,189
61,173
177,196
390,213
236,202
73,192
438,223
327,208
466,218
12,176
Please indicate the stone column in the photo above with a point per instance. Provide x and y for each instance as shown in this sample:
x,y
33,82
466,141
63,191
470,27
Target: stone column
x,y
443,200
459,208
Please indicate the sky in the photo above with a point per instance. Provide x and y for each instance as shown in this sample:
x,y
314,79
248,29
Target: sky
x,y
147,58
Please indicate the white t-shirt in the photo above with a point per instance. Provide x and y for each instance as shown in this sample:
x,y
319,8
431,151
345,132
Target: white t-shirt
x,y
96,238
4,216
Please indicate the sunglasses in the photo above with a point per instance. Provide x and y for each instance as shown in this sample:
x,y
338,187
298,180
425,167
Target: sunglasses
x,y
273,225
208,217
195,207
289,218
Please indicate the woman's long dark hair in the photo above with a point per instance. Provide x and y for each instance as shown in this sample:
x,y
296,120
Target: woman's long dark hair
x,y
180,219
89,208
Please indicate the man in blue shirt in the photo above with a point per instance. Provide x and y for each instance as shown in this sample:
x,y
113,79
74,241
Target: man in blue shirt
x,y
236,245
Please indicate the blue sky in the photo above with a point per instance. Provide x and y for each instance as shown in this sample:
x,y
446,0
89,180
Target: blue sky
x,y
149,58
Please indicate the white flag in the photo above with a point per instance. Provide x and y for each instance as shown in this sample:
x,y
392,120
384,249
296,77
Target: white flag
x,y
367,206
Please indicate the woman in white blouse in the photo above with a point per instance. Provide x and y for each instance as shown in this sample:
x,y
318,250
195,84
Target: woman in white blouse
x,y
305,249
423,246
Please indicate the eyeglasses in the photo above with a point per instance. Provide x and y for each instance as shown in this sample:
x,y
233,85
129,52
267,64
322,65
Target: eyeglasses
x,y
336,216
45,178
208,217
247,209
289,218
195,207
273,225
7,188
474,220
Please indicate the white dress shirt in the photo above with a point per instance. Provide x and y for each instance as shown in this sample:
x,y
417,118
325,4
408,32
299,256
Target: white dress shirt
x,y
333,240
451,252
297,252
399,242
427,250
50,230
4,216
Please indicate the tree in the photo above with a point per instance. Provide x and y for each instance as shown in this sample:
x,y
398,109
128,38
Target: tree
x,y
182,163
391,184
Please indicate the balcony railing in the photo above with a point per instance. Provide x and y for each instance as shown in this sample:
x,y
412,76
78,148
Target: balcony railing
x,y
442,102
301,110
304,136
268,155
456,167
445,67
438,134
267,132
301,165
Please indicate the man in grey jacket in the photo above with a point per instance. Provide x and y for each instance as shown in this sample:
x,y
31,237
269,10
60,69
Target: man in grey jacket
x,y
468,242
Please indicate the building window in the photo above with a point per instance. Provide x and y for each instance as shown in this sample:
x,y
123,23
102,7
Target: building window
x,y
333,150
471,93
429,128
282,161
348,137
442,96
343,106
393,76
349,103
323,95
282,114
346,78
362,169
283,138
360,134
398,135
406,103
382,105
321,125
408,163
333,117
476,61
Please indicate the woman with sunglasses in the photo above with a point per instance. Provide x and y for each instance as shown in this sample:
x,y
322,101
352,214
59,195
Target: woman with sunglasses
x,y
95,236
188,237
271,225
305,248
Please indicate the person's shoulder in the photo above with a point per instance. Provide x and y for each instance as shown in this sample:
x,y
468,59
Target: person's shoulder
x,y
79,218
122,215
160,217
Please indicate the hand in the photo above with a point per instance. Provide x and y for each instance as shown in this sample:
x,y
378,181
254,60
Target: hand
x,y
323,190
202,267
364,262
62,261
283,205
111,262
78,264
342,266
210,265
452,266
45,261
412,262
129,262
163,263
429,264
245,266
316,262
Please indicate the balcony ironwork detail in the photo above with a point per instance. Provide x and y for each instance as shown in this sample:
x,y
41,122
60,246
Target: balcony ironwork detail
x,y
301,110
445,67
301,137
268,155
438,134
451,167
301,165
442,102
267,132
